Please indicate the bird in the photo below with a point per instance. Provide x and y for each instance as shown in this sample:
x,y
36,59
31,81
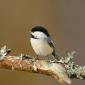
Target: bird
x,y
42,42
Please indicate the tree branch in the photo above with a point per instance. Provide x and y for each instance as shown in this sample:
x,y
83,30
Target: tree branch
x,y
62,70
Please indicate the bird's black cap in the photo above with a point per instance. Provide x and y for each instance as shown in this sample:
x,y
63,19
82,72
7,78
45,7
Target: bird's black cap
x,y
41,29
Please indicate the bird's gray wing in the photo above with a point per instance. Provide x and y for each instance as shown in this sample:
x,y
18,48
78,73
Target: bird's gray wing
x,y
50,42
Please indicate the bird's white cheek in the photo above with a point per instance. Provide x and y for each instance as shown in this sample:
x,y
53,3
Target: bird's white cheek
x,y
39,35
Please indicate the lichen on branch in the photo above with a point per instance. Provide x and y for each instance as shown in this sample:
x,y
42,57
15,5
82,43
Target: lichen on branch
x,y
62,70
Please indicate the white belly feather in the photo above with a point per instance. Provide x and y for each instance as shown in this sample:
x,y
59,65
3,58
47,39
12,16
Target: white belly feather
x,y
41,47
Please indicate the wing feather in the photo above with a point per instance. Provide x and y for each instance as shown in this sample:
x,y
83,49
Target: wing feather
x,y
50,42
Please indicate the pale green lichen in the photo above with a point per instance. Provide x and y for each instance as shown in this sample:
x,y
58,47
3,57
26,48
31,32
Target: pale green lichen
x,y
74,71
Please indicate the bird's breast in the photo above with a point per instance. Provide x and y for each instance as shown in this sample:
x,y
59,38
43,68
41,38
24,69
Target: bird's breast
x,y
41,47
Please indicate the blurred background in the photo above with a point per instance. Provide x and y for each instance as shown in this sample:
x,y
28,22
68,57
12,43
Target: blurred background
x,y
64,19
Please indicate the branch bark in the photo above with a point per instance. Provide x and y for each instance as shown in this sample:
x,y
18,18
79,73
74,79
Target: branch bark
x,y
62,70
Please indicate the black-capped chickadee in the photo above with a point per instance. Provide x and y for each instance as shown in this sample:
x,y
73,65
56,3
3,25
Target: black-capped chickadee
x,y
41,42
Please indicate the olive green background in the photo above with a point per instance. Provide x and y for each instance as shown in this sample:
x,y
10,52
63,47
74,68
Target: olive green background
x,y
64,19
